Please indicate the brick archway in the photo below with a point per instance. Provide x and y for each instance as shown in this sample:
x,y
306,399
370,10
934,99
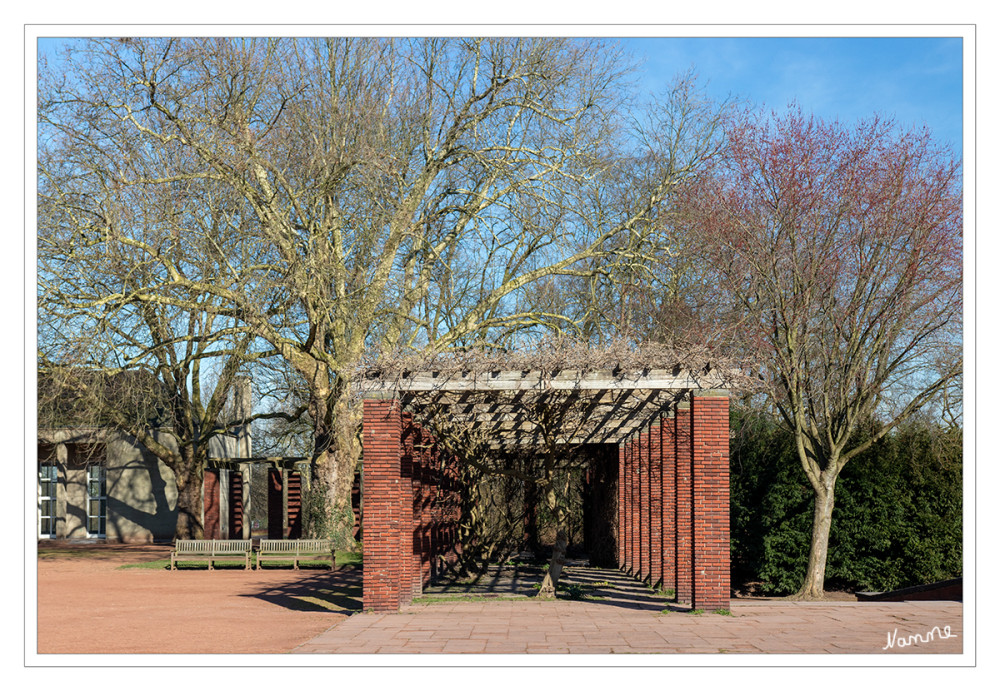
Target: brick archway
x,y
672,437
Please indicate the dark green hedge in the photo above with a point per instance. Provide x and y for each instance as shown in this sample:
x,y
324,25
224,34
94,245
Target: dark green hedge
x,y
897,520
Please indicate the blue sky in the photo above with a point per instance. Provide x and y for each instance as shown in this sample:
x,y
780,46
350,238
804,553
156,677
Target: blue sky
x,y
916,80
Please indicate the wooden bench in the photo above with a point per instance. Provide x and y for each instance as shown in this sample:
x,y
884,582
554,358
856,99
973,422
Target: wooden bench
x,y
210,551
296,551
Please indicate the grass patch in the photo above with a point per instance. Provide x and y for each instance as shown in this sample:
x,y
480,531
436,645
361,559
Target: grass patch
x,y
343,559
155,564
723,612
466,597
697,611
86,553
185,565
349,558
575,591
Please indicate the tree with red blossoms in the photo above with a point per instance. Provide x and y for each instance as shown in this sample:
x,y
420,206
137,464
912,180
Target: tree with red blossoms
x,y
841,247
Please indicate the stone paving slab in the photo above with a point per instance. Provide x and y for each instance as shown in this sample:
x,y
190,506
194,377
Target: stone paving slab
x,y
598,628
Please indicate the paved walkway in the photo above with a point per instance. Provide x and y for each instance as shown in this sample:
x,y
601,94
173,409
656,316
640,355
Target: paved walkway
x,y
597,627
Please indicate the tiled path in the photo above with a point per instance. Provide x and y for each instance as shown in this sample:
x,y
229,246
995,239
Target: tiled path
x,y
530,626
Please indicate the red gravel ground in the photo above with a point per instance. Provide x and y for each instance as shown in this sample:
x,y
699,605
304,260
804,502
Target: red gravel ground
x,y
87,604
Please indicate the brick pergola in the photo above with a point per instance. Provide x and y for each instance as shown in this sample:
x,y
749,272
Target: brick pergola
x,y
670,428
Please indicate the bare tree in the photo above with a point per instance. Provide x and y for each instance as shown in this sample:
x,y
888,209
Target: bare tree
x,y
843,248
366,194
163,371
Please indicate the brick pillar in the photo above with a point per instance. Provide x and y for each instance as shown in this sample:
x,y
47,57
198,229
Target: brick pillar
x,y
236,521
436,514
710,444
381,500
294,505
406,518
685,499
644,532
426,501
622,483
210,487
275,505
669,502
630,517
655,504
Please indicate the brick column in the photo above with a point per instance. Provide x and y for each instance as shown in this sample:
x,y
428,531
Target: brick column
x,y
435,509
211,505
382,441
294,505
655,504
669,501
685,501
620,537
633,512
710,444
426,498
275,505
410,508
644,532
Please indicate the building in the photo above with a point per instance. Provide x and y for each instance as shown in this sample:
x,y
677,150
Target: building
x,y
98,483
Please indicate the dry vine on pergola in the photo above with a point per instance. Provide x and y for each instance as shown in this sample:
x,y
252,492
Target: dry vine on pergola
x,y
523,421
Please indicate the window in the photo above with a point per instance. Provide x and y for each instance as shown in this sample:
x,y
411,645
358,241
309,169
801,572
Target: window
x,y
48,482
97,501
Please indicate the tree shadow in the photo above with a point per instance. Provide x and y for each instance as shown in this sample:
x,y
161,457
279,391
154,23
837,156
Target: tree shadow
x,y
579,582
322,591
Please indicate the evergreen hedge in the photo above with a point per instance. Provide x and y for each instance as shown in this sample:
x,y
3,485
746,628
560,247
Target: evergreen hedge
x,y
897,521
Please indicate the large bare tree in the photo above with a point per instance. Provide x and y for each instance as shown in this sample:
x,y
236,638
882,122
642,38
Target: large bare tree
x,y
361,194
842,247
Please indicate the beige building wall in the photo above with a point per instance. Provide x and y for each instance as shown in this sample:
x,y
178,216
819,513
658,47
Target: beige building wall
x,y
141,490
142,493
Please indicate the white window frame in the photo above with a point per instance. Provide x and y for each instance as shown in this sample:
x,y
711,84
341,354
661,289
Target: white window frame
x,y
101,498
52,471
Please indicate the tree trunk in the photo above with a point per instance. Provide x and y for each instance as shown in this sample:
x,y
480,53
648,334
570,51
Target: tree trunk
x,y
335,457
189,475
557,506
551,580
812,586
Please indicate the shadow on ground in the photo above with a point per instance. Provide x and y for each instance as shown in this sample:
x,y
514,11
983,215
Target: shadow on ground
x,y
324,591
579,582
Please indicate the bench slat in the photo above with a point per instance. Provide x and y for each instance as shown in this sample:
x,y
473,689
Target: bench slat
x,y
210,550
296,550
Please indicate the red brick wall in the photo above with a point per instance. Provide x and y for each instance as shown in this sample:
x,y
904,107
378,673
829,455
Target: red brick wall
x,y
633,510
620,534
294,505
710,416
655,504
684,498
275,506
235,505
210,485
644,514
669,502
382,443
425,500
407,573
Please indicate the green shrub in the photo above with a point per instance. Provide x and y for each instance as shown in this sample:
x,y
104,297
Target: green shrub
x,y
897,519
